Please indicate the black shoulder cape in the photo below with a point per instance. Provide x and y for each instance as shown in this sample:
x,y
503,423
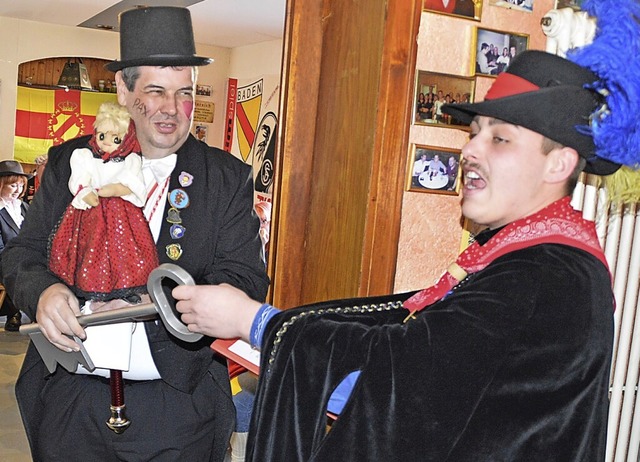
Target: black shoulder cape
x,y
512,366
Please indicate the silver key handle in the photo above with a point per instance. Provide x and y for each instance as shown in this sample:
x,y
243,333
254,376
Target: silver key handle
x,y
160,307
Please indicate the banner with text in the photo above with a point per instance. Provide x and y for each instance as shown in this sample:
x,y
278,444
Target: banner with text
x,y
251,135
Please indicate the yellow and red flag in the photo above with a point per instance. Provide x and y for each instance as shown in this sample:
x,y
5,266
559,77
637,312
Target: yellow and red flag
x,y
46,118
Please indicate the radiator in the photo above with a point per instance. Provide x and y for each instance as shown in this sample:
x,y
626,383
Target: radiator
x,y
619,232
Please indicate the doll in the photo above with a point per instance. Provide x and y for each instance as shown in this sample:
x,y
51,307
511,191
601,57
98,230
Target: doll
x,y
102,247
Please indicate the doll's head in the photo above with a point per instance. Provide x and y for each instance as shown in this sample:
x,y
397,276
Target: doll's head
x,y
111,125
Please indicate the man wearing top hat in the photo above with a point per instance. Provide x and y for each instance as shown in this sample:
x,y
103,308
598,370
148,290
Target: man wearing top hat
x,y
199,209
507,356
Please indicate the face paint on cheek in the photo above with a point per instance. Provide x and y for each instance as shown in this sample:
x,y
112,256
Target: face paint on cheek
x,y
140,107
187,107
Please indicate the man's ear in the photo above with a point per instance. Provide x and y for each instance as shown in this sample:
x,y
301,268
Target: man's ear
x,y
121,89
561,162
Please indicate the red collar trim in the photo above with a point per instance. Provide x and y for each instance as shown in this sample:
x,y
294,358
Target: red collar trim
x,y
558,223
509,85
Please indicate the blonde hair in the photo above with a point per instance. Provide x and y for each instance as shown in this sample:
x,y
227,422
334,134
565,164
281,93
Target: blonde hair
x,y
114,116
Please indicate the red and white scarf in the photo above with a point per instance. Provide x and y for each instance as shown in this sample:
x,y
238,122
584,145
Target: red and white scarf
x,y
557,223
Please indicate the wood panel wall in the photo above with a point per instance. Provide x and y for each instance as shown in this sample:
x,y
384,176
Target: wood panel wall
x,y
349,72
46,72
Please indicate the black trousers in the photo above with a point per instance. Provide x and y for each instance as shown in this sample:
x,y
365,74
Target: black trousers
x,y
8,308
166,424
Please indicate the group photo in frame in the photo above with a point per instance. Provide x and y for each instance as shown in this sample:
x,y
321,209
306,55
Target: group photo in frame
x,y
433,90
203,90
520,5
469,9
494,50
434,170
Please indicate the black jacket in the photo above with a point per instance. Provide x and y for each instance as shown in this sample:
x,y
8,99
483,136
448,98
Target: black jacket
x,y
221,244
8,228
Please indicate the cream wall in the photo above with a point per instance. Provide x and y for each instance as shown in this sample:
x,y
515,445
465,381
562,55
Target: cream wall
x,y
22,41
430,231
245,62
251,61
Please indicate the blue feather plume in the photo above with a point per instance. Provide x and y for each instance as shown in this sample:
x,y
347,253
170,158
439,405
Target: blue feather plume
x,y
614,55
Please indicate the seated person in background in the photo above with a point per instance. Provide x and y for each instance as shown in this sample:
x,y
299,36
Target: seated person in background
x,y
436,167
503,61
419,166
483,65
422,112
452,173
430,97
493,54
437,107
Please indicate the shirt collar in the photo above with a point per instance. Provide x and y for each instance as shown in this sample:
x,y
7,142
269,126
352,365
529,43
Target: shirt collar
x,y
161,168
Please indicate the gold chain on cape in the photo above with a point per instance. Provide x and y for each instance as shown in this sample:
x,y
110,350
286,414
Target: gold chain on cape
x,y
357,309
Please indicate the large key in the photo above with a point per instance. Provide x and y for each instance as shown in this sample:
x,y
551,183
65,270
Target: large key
x,y
160,307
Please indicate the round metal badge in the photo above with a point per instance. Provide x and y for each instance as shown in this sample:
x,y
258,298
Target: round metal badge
x,y
179,199
174,251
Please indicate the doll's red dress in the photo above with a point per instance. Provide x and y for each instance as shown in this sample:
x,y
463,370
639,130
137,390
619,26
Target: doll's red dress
x,y
107,251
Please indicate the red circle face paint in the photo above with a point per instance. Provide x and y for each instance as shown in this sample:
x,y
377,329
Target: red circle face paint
x,y
187,107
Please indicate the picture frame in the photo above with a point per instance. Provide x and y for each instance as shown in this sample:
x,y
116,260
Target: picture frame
x,y
433,169
200,132
203,90
518,5
445,88
575,4
488,52
467,9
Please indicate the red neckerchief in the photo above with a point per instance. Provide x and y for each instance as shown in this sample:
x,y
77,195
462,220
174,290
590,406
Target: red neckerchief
x,y
558,223
129,144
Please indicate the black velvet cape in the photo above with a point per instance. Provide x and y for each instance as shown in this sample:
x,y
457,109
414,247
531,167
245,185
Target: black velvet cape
x,y
511,366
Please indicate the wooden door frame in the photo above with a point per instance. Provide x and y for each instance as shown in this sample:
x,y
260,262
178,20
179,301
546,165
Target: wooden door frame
x,y
304,42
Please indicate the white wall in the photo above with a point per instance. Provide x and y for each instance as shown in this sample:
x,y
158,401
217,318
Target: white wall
x,y
22,41
255,60
247,62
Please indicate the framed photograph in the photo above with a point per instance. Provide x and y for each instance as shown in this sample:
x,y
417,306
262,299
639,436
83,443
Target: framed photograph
x,y
575,4
433,90
201,132
434,170
469,9
494,50
203,90
520,5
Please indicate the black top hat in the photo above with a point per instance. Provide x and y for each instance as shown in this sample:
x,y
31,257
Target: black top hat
x,y
156,36
549,95
11,167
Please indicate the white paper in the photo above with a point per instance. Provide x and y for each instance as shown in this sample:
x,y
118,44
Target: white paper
x,y
244,350
109,346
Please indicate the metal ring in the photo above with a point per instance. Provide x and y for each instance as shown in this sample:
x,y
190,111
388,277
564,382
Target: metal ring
x,y
170,317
